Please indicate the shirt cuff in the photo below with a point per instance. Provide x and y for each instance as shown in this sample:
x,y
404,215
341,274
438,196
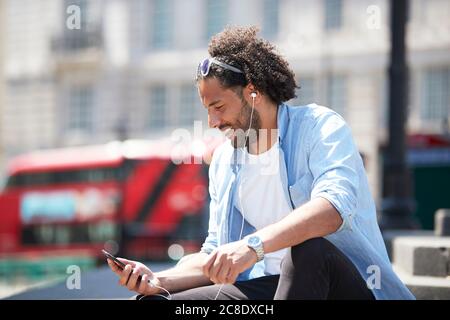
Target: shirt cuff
x,y
345,213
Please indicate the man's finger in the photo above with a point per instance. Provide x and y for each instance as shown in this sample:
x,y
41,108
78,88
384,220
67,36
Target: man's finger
x,y
143,285
125,261
114,267
215,269
132,281
125,275
232,276
223,273
209,261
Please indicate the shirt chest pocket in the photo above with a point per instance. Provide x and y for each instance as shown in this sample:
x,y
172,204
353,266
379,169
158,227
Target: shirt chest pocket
x,y
300,191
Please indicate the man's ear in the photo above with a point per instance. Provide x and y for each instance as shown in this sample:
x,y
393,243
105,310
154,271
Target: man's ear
x,y
250,93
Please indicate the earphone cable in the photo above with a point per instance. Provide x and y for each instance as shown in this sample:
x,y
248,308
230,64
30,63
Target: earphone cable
x,y
242,208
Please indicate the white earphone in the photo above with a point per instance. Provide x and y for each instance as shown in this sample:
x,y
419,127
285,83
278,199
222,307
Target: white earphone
x,y
253,95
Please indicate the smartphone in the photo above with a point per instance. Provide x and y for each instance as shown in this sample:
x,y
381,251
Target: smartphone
x,y
119,263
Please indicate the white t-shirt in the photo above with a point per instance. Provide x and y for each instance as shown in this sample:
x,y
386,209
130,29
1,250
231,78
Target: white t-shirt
x,y
260,196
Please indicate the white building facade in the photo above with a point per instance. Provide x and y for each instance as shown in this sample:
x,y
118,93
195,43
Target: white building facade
x,y
129,70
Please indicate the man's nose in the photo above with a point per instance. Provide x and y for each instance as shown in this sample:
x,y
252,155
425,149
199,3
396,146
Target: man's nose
x,y
213,121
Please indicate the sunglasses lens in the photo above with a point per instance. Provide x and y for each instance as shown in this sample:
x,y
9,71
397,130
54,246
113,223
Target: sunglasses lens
x,y
204,67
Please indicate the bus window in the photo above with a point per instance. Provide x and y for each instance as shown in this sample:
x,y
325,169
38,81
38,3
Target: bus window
x,y
63,234
63,177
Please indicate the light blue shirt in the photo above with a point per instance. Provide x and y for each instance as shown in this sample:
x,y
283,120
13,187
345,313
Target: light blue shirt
x,y
319,159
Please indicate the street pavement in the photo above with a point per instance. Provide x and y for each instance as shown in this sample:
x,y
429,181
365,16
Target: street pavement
x,y
100,283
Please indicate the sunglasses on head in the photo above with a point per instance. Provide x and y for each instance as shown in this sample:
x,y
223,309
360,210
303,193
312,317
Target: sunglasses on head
x,y
205,66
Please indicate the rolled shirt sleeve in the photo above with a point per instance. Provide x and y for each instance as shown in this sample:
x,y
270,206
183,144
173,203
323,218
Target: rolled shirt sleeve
x,y
333,158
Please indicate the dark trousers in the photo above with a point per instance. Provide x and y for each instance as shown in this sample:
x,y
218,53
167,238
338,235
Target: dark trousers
x,y
315,269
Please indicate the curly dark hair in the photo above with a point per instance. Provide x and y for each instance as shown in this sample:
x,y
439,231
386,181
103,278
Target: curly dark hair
x,y
262,66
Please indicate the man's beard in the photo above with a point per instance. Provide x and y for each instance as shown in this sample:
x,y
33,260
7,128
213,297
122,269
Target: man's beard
x,y
243,136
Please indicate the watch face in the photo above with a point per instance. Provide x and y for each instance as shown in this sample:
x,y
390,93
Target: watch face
x,y
254,241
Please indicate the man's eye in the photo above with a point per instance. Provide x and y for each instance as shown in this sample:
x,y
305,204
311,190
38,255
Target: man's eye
x,y
219,107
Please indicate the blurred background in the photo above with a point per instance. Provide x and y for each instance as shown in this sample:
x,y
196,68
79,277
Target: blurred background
x,y
91,91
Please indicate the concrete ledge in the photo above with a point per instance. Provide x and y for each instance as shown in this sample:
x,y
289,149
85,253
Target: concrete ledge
x,y
423,256
425,287
390,235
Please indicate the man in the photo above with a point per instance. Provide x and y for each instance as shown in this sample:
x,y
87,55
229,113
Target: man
x,y
291,215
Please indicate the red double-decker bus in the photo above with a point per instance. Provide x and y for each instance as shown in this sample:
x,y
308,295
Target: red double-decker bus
x,y
136,195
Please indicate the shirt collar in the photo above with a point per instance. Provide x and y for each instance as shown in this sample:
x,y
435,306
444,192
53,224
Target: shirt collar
x,y
282,122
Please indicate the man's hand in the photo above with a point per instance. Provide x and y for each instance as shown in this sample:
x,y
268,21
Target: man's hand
x,y
129,277
225,263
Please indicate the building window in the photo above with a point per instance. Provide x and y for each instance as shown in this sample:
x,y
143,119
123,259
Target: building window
x,y
80,109
436,95
337,93
158,105
162,34
189,105
333,14
270,18
216,16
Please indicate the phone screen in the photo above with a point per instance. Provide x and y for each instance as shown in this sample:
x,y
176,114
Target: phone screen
x,y
108,255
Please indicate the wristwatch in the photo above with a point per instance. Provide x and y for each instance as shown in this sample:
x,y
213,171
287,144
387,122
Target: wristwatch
x,y
256,244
